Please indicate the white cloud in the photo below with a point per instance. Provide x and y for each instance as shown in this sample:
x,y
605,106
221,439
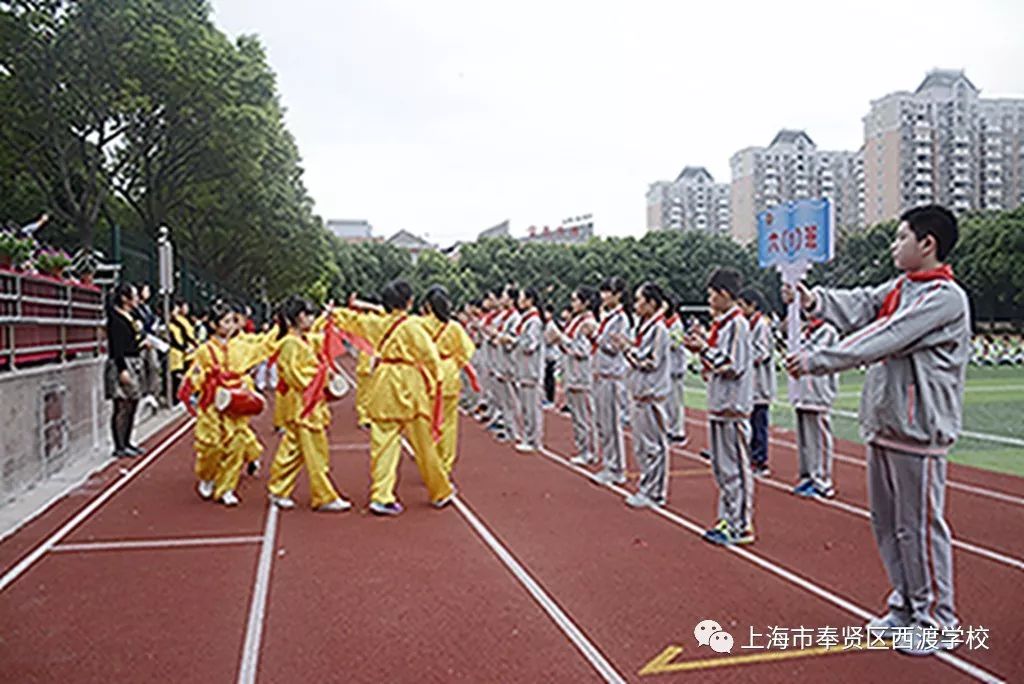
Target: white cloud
x,y
446,117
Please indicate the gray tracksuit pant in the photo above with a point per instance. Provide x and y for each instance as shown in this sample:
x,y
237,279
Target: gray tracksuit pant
x,y
676,411
650,447
730,461
908,493
532,412
607,392
814,444
581,408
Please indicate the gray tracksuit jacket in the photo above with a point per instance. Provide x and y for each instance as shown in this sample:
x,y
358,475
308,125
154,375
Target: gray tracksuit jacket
x,y
650,377
608,360
528,349
762,345
730,370
818,392
579,355
505,364
913,391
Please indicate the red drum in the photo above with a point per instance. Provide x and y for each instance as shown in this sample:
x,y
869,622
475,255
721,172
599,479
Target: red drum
x,y
337,387
239,401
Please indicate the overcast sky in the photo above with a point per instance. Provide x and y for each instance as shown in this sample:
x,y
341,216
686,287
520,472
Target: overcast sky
x,y
445,118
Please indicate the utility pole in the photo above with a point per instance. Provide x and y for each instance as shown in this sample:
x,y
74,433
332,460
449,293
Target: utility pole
x,y
165,250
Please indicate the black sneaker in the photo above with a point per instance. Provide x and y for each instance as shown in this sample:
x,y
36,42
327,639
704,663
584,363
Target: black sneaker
x,y
761,470
705,454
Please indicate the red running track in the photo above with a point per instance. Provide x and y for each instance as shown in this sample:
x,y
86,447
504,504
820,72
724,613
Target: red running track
x,y
536,575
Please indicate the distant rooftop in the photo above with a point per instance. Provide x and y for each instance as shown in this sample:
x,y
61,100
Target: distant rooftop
x,y
788,136
944,79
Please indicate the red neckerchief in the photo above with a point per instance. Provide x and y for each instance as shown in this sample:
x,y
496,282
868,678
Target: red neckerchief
x,y
672,320
754,318
604,321
719,323
644,330
526,319
892,300
812,325
218,376
575,323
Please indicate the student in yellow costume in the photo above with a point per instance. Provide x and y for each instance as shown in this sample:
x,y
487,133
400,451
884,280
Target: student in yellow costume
x,y
305,431
224,443
455,349
182,342
403,397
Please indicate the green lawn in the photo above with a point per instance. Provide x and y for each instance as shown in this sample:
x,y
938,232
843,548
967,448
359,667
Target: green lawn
x,y
993,405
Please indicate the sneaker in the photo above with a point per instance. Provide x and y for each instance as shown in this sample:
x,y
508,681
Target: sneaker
x,y
825,492
445,500
502,437
565,409
885,626
805,488
134,451
229,498
336,506
253,468
525,448
727,537
717,536
393,508
704,453
679,440
745,537
282,502
547,405
761,470
496,426
607,477
580,460
721,525
915,641
641,500
205,489
364,426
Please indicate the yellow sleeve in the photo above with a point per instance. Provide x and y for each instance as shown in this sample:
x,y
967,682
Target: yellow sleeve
x,y
464,347
256,348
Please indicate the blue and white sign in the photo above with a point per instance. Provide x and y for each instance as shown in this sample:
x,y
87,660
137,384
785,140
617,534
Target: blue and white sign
x,y
795,232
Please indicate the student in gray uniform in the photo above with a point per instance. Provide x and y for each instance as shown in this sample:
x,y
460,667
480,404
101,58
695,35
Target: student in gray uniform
x,y
725,356
915,334
577,354
552,359
505,372
813,417
490,412
609,380
762,344
526,343
650,384
677,353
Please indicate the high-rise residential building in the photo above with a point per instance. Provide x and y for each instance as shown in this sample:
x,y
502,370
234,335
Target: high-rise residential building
x,y
693,201
791,168
942,143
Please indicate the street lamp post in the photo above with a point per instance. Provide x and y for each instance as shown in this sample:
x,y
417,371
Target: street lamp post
x,y
165,250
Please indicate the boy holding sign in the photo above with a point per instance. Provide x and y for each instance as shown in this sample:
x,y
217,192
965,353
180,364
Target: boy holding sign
x,y
915,333
727,368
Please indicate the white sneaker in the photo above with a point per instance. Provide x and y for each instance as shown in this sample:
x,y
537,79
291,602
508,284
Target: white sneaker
x,y
335,506
639,500
282,502
229,498
885,626
525,448
580,460
444,501
205,489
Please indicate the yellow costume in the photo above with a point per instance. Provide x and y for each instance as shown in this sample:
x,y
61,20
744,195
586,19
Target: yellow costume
x,y
364,371
305,438
455,349
182,335
401,399
224,443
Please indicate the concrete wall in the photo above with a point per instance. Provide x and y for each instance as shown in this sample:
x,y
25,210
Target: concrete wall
x,y
82,427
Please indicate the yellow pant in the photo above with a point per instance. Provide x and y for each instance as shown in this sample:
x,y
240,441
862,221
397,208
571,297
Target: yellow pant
x,y
242,447
386,451
303,445
362,397
449,433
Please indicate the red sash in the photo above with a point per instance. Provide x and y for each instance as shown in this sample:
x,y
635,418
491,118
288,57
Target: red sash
x,y
645,329
718,324
892,300
524,320
603,325
576,323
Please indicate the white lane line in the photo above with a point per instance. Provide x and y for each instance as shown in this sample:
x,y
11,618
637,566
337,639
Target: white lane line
x,y
249,665
596,659
983,436
133,544
25,563
952,484
781,572
354,446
